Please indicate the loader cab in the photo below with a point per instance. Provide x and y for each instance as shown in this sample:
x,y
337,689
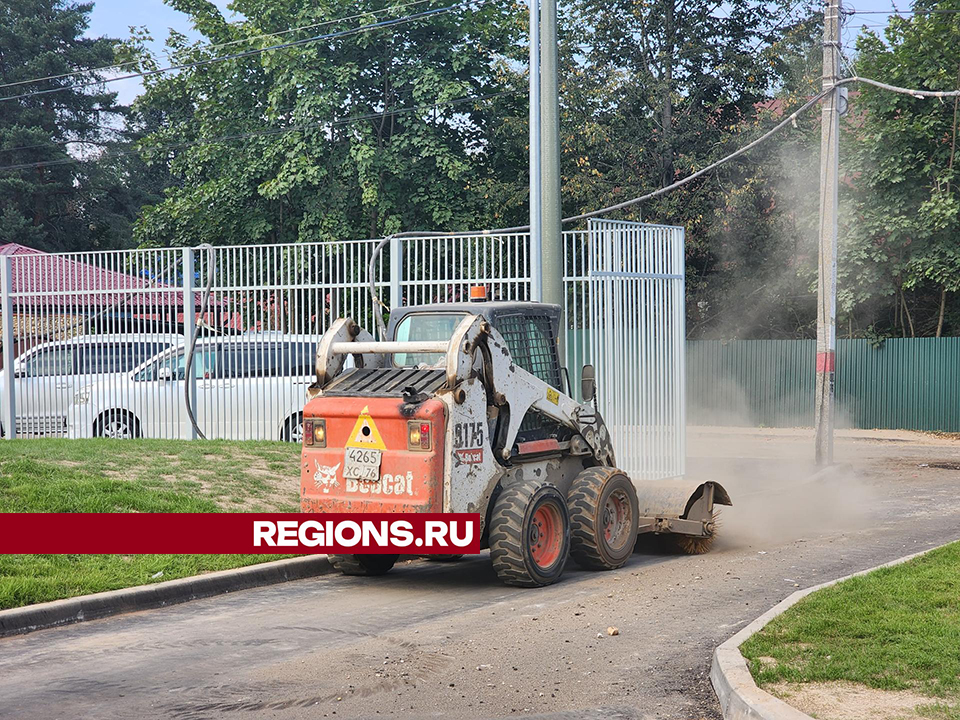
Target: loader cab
x,y
529,329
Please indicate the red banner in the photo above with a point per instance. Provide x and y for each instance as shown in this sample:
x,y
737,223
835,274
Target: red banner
x,y
200,533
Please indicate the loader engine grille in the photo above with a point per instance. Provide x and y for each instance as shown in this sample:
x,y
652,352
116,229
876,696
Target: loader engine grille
x,y
386,382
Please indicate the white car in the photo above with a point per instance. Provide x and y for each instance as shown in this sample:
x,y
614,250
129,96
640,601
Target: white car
x,y
249,387
47,376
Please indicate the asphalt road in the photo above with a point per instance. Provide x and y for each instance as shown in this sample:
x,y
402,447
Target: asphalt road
x,y
447,640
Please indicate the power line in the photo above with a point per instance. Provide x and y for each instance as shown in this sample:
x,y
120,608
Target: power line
x,y
763,138
213,46
56,143
894,11
790,119
263,133
249,53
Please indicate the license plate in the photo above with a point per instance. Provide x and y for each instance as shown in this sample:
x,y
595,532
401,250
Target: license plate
x,y
362,464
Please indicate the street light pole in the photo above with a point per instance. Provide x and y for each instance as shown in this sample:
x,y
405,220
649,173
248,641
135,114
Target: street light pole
x,y
536,243
552,250
827,277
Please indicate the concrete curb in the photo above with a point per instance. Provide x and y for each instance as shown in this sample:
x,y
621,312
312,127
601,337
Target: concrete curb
x,y
144,597
740,698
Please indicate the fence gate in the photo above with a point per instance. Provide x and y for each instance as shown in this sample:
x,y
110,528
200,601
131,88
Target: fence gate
x,y
633,308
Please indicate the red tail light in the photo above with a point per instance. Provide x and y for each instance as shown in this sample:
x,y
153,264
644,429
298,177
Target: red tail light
x,y
419,434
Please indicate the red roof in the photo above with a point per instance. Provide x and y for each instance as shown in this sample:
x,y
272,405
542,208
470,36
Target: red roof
x,y
61,282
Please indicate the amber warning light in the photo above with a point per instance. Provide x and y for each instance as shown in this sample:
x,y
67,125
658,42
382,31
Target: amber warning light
x,y
478,293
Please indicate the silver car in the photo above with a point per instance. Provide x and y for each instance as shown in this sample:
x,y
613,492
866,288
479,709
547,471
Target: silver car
x,y
47,376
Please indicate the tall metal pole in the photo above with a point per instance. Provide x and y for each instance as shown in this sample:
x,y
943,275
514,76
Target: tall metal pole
x,y
536,244
827,279
9,419
552,251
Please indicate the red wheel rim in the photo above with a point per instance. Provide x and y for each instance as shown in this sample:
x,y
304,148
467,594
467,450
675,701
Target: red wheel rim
x,y
616,519
545,536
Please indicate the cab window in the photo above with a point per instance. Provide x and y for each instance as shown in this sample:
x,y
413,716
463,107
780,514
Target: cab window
x,y
424,327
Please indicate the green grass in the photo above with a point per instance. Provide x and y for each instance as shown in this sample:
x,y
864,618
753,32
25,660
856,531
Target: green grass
x,y
893,629
134,476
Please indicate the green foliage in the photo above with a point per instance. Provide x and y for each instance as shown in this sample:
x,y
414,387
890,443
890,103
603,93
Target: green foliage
x,y
353,136
655,91
900,248
380,131
63,205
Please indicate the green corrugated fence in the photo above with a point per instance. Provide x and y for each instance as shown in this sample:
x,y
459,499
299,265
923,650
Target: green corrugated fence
x,y
909,384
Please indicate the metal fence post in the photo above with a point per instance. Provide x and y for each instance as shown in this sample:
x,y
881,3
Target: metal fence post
x,y
6,308
189,325
396,272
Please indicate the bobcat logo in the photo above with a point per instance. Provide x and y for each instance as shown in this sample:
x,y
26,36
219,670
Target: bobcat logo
x,y
326,477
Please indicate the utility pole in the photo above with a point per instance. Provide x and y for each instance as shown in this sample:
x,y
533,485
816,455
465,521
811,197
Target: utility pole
x,y
552,251
827,278
536,243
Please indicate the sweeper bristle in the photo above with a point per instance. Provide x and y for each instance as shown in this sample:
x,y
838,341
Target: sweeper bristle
x,y
692,545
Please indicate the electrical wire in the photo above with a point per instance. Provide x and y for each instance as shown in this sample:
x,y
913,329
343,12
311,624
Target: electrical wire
x,y
57,143
248,53
901,12
790,119
213,46
263,133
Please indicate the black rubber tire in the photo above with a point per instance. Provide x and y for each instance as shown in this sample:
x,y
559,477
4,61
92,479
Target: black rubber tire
x,y
511,533
119,416
587,503
363,564
289,434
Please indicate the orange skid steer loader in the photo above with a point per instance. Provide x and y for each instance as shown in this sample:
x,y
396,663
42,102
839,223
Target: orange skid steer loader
x,y
462,408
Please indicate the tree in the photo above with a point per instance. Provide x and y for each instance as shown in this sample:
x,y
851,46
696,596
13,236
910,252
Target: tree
x,y
654,91
901,253
43,205
355,136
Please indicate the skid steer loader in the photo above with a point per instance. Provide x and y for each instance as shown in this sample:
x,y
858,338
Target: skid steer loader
x,y
462,407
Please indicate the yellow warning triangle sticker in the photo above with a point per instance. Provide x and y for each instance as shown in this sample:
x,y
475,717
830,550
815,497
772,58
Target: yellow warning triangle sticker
x,y
365,433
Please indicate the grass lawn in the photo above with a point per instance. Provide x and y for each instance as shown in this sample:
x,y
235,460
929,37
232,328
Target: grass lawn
x,y
103,475
894,629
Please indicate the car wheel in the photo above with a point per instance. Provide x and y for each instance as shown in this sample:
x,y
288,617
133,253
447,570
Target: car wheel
x,y
293,429
118,425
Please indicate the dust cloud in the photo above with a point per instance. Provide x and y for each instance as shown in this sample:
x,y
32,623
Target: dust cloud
x,y
779,494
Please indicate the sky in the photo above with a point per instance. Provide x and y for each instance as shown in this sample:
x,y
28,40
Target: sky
x,y
114,18
853,25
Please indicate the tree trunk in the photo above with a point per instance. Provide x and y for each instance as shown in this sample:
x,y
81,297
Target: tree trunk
x,y
906,312
943,308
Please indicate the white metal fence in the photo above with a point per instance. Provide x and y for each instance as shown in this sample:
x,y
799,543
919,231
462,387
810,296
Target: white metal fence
x,y
631,306
80,328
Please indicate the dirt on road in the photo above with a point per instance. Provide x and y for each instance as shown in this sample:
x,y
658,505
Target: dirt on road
x,y
447,640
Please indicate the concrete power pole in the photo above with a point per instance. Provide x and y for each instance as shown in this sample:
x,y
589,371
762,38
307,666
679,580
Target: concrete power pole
x,y
536,240
827,279
552,251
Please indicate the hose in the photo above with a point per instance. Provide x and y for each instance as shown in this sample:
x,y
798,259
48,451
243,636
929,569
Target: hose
x,y
371,267
188,372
